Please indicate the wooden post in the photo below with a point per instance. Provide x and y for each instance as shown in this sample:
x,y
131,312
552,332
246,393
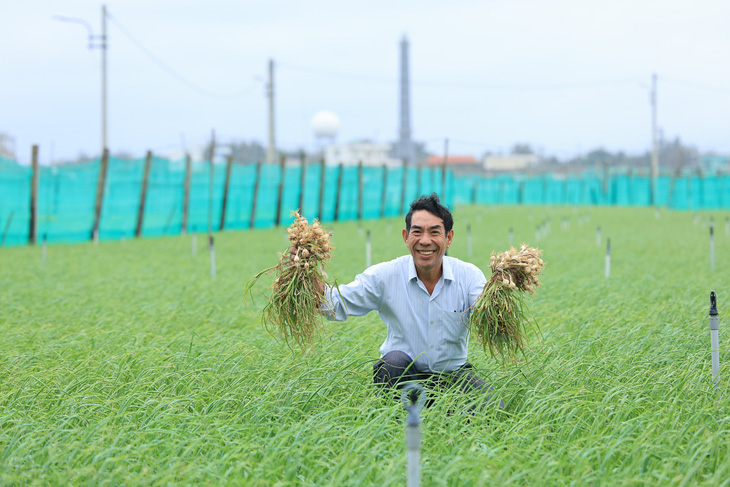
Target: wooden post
x,y
256,184
186,195
226,186
143,194
322,182
281,192
302,182
383,200
100,194
339,191
360,187
33,198
403,188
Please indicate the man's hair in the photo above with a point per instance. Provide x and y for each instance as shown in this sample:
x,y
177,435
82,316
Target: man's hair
x,y
433,205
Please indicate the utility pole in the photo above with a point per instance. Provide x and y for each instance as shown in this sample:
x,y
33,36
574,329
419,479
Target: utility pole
x,y
104,145
654,143
271,149
98,42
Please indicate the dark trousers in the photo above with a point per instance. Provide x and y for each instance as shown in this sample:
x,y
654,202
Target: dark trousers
x,y
396,368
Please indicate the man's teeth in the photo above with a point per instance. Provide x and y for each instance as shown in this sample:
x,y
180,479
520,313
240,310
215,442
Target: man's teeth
x,y
425,252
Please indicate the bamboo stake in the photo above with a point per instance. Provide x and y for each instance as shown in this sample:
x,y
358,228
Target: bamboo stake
x,y
322,183
101,182
302,182
256,186
186,195
143,194
282,162
226,187
33,197
339,192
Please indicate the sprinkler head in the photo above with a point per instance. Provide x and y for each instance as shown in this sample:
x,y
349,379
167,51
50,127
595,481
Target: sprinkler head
x,y
413,397
713,304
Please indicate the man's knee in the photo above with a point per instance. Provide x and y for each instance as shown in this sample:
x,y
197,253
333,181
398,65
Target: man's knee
x,y
468,382
392,367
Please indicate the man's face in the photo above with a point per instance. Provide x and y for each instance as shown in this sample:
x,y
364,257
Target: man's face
x,y
427,241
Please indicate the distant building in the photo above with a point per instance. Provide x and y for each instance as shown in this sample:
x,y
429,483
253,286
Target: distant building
x,y
457,164
369,153
7,146
511,162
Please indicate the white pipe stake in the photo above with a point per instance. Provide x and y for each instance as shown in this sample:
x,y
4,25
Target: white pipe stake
x,y
511,236
96,237
608,258
598,236
468,240
212,257
414,397
712,244
413,442
368,250
714,340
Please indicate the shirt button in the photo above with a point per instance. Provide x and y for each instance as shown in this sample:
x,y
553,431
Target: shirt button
x,y
432,322
431,346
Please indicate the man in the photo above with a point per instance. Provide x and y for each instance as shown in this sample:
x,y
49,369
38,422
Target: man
x,y
424,299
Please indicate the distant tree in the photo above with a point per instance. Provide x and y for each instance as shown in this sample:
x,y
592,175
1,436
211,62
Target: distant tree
x,y
123,154
248,153
522,148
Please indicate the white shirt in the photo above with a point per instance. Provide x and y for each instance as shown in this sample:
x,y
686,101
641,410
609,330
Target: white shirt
x,y
431,329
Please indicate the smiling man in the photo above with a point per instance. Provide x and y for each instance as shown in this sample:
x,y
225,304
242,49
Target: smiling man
x,y
425,300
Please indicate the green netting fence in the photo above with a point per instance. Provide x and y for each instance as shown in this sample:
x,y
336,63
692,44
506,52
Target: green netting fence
x,y
67,194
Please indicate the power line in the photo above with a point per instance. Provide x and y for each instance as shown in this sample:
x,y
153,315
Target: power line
x,y
472,86
182,79
698,86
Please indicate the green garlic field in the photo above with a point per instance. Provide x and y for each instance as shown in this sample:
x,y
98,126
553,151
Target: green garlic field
x,y
126,363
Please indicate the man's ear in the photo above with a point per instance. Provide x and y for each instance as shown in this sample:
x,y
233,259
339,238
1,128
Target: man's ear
x,y
449,238
405,235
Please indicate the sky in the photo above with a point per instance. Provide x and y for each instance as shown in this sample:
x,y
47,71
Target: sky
x,y
566,76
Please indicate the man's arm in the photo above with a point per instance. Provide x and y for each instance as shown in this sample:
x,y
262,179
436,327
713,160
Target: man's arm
x,y
354,299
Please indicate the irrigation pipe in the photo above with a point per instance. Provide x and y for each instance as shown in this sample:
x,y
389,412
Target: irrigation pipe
x,y
413,398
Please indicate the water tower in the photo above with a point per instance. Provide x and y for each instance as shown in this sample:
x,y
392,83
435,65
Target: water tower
x,y
325,125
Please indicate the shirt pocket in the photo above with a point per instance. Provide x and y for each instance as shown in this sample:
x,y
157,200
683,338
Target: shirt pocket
x,y
453,327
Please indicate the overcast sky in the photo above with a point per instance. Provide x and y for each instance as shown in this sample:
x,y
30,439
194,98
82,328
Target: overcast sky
x,y
566,76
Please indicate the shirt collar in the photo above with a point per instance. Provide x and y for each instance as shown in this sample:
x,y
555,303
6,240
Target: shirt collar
x,y
448,270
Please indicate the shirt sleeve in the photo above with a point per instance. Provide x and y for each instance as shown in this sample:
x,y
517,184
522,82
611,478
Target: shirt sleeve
x,y
354,299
